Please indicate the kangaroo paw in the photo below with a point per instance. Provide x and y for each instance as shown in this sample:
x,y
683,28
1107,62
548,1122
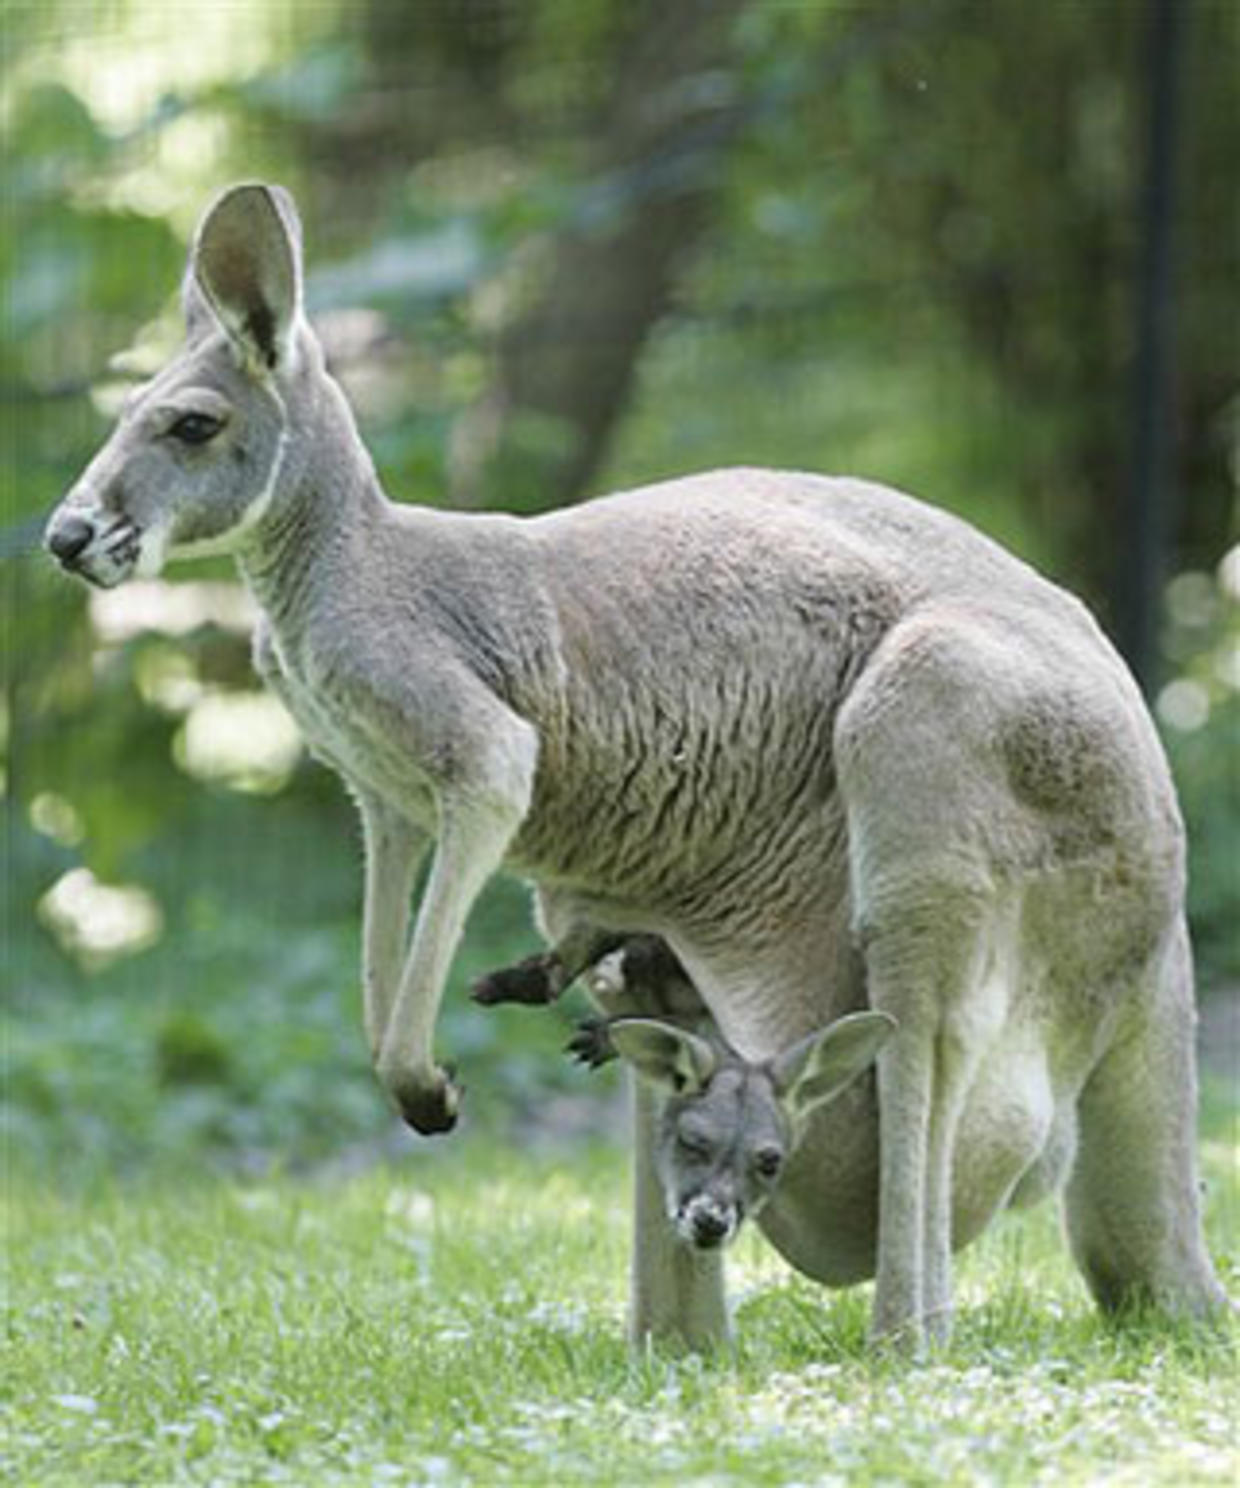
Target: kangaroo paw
x,y
431,1109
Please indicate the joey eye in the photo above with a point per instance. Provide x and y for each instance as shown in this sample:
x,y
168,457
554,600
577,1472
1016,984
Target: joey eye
x,y
196,428
692,1145
767,1161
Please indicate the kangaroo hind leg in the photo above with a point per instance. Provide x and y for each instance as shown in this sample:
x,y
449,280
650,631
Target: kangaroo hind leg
x,y
1132,1203
930,828
934,982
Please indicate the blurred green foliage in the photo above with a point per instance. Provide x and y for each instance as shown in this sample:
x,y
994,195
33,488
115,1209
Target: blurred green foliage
x,y
553,248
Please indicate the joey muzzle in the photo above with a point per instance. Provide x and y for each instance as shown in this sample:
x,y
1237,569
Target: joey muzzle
x,y
708,1224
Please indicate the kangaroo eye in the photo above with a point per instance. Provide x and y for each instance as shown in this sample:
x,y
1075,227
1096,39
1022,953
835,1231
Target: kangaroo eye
x,y
196,428
692,1145
768,1161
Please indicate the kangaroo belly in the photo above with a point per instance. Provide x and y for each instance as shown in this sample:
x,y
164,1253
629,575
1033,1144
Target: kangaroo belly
x,y
823,1219
364,757
1007,1129
1013,1145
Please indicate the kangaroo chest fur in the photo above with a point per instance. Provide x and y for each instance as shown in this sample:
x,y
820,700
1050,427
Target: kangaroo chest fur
x,y
340,731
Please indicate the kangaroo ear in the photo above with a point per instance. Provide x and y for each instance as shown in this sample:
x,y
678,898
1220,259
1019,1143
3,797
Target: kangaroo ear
x,y
200,319
677,1062
246,261
817,1068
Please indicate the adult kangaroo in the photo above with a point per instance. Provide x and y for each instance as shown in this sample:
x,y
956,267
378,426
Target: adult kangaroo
x,y
835,748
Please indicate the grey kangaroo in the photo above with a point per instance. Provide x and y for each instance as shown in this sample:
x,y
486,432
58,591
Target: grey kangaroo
x,y
834,747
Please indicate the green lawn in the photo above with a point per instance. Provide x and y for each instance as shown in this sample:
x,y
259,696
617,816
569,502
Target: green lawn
x,y
457,1317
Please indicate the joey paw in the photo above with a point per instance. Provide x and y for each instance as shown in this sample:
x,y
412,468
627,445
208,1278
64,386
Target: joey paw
x,y
591,1044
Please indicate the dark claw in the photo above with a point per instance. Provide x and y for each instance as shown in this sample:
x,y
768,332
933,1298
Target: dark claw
x,y
591,1044
534,982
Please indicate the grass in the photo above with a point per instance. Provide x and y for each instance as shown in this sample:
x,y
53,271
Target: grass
x,y
457,1317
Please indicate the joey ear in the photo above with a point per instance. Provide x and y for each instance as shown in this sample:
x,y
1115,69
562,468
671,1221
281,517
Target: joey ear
x,y
246,262
819,1067
677,1062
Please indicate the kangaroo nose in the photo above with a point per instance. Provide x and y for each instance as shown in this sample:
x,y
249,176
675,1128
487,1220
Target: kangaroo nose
x,y
69,537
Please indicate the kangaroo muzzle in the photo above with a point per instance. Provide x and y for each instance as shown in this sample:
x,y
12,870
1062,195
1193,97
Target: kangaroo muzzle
x,y
101,546
67,539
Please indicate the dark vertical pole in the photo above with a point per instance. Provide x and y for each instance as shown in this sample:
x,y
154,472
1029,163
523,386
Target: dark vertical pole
x,y
1153,415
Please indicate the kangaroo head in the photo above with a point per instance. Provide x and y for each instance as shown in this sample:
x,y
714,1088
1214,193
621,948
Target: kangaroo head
x,y
196,459
728,1126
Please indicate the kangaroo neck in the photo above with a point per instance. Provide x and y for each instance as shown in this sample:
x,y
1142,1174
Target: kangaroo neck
x,y
327,502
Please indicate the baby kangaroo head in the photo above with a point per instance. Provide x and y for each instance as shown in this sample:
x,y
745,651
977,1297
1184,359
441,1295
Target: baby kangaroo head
x,y
195,460
728,1126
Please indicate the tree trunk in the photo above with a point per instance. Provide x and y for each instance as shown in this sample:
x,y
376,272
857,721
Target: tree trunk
x,y
565,365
